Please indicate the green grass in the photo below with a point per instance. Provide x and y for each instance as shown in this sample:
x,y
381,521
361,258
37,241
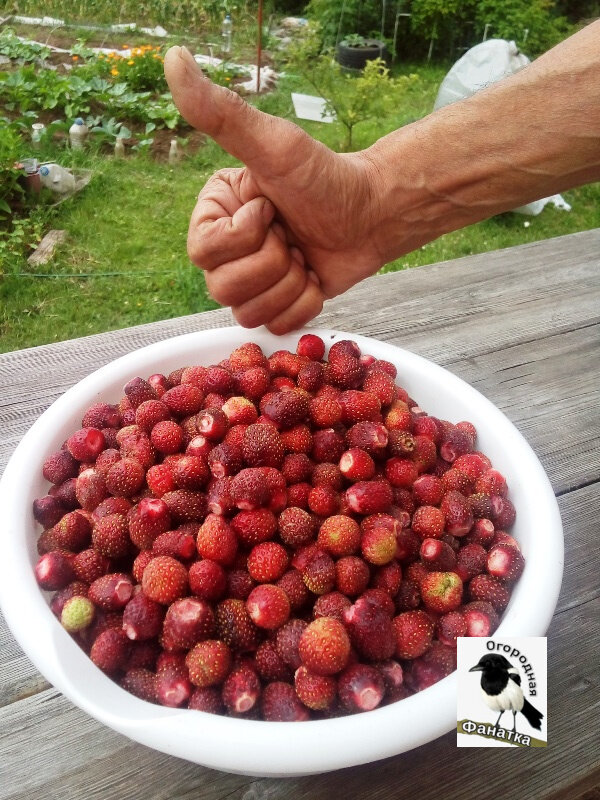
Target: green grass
x,y
133,217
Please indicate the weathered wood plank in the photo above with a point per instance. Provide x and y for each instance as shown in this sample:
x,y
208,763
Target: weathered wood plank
x,y
67,750
45,249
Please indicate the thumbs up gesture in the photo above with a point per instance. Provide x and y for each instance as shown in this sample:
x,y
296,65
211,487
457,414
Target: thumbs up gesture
x,y
294,226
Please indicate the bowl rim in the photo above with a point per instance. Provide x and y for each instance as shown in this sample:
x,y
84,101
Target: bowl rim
x,y
252,747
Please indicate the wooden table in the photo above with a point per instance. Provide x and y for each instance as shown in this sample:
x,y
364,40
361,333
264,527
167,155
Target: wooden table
x,y
522,326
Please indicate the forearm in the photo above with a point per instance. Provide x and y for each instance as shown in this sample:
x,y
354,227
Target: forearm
x,y
529,136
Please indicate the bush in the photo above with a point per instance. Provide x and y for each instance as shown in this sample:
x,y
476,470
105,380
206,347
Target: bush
x,y
10,188
532,24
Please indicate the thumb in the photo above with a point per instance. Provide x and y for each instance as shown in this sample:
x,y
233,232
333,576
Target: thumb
x,y
262,142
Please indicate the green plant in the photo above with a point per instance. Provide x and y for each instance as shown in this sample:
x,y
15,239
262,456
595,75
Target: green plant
x,y
533,24
12,47
107,130
354,40
339,18
10,188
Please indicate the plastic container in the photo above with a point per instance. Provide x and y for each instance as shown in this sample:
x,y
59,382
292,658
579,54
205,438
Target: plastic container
x,y
57,178
119,148
226,31
37,133
78,133
173,152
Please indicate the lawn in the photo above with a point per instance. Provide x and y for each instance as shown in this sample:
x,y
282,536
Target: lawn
x,y
125,263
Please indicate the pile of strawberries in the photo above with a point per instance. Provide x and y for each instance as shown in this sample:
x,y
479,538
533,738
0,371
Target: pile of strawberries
x,y
281,538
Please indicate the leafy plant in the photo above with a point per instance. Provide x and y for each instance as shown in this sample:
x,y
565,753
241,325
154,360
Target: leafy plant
x,y
12,47
10,188
533,24
354,40
109,130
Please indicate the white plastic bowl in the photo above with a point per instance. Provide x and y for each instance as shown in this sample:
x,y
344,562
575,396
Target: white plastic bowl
x,y
273,749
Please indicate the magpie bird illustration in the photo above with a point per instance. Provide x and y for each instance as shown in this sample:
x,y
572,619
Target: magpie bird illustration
x,y
501,690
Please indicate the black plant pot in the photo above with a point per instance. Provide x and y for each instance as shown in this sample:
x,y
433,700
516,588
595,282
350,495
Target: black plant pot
x,y
356,56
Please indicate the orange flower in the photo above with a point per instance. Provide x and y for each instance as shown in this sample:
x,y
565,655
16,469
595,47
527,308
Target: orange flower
x,y
124,47
131,63
74,58
114,71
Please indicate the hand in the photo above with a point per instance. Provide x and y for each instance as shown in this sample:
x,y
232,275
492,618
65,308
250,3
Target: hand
x,y
293,227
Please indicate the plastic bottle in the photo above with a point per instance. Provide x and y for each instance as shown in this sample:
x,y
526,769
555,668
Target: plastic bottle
x,y
173,152
78,133
37,131
119,147
226,30
56,178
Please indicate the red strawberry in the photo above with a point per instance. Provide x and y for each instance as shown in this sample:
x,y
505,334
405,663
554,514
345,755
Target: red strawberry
x,y
151,412
239,584
370,629
268,606
399,417
209,663
190,472
340,536
165,580
167,437
357,465
147,520
470,561
428,522
217,380
279,703
241,690
234,625
332,604
140,563
427,426
503,512
311,376
361,687
358,406
269,664
297,494
253,527
490,589
59,467
504,561
187,621
324,647
318,572
450,626
219,498
287,641
369,497
110,536
428,490
111,592
160,479
142,618
140,682
441,591
327,474
481,618
183,399
185,506
311,346
292,584
262,446
90,489
369,436
277,489
225,459
388,578
342,348
48,511
401,472
457,512
408,596
328,446
253,382
380,384
73,532
345,371
89,565
240,411
455,443
438,662
472,464
325,411
287,408
437,555
110,650
297,467
351,575
401,444
207,699
178,544
482,532
378,545
491,482
245,356
86,444
249,489
323,501
207,579
137,390
106,459
267,562
297,439
414,632
217,540
80,615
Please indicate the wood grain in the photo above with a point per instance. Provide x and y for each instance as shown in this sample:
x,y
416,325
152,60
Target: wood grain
x,y
522,326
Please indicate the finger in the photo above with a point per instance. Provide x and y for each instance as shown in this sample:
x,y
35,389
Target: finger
x,y
236,282
306,307
266,143
260,310
215,238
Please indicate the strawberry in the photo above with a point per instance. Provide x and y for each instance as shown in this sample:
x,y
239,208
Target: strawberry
x,y
437,555
324,646
441,591
249,489
165,580
378,545
279,703
240,411
323,501
427,426
287,408
110,536
369,497
137,390
450,626
370,629
311,376
217,540
207,699
398,417
491,482
506,562
297,439
239,584
73,532
318,572
470,561
151,412
472,464
86,444
267,562
369,436
235,627
345,372
217,380
311,346
187,621
328,446
140,563
190,472
253,383
401,444
332,604
388,577
111,592
361,687
90,489
315,691
292,584
480,617
358,406
178,544
428,522
269,664
414,632
481,505
490,589
325,411
268,606
142,618
457,512
262,446
137,446
219,500
351,575
481,533
253,527
357,465
380,384
408,596
424,455
327,474
340,536
241,690
77,614
246,356
48,510
428,490
110,650
101,415
160,479
167,437
207,579
401,472
503,512
59,467
287,641
185,506
342,348
297,467
89,565
183,399
141,683
147,520
438,662
209,663
106,459
297,494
